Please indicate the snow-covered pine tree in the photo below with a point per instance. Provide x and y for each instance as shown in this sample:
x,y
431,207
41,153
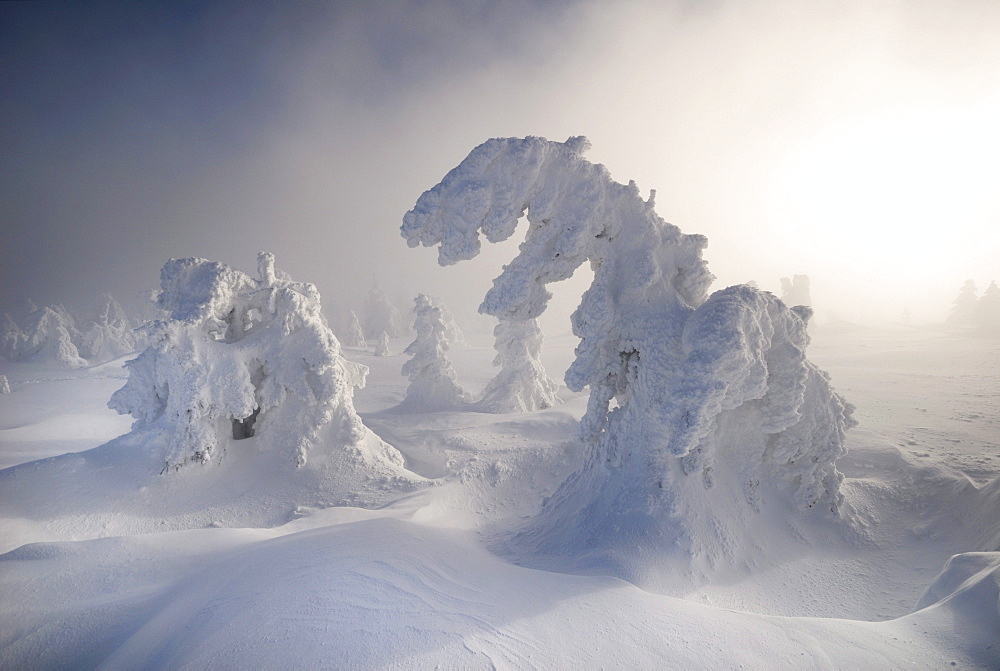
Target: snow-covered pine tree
x,y
355,336
988,310
240,357
702,413
433,382
382,346
110,334
381,315
522,384
963,308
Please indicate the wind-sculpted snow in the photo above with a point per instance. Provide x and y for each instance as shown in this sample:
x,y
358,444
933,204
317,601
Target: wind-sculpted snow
x,y
700,412
522,384
247,357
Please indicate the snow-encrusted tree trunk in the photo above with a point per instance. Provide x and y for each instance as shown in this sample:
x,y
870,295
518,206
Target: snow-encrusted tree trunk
x,y
239,357
382,346
433,382
717,412
522,384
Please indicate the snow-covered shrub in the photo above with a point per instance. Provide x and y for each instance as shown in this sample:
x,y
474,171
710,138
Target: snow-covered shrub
x,y
795,291
522,384
4,385
433,381
382,346
699,411
355,336
240,357
963,308
110,335
381,315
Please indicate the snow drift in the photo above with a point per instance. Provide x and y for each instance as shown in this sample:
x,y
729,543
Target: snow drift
x,y
702,413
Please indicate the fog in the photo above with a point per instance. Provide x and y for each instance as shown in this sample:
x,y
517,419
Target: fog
x,y
855,142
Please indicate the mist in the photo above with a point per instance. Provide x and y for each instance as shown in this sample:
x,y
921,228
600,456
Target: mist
x,y
852,142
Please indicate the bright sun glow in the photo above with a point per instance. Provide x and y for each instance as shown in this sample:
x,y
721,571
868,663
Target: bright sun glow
x,y
916,189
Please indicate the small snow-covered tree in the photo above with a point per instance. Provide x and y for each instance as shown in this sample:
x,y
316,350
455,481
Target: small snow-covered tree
x,y
4,385
381,315
522,384
452,331
433,382
110,335
701,412
355,336
382,346
963,308
988,310
241,357
11,339
795,291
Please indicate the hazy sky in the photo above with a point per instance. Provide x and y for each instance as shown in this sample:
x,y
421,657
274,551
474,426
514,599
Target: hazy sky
x,y
856,142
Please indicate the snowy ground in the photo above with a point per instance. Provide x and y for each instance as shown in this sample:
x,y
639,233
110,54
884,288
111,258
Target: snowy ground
x,y
109,563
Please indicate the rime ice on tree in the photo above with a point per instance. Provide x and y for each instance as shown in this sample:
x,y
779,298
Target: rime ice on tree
x,y
963,309
717,412
382,346
110,335
240,357
381,315
795,291
521,385
45,334
355,334
433,382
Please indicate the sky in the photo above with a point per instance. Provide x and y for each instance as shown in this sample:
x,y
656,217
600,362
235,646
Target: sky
x,y
855,142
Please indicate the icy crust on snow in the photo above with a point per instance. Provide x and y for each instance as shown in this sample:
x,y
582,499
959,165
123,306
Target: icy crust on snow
x,y
522,384
246,356
433,381
705,393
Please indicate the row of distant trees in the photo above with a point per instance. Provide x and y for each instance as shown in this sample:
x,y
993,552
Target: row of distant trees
x,y
973,311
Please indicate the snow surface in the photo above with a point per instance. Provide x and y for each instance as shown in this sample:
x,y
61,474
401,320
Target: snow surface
x,y
108,563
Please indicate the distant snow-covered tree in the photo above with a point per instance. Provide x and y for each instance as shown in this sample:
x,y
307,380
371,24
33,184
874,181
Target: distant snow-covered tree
x,y
239,357
701,412
355,336
433,382
47,334
110,335
963,308
795,291
381,315
4,385
452,331
988,310
522,384
382,346
11,339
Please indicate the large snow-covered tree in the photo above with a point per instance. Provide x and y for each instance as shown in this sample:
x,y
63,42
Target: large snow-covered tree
x,y
433,381
240,357
701,412
522,384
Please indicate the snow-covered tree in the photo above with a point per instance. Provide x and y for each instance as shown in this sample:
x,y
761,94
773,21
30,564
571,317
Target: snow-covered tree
x,y
46,334
988,310
963,308
452,331
382,346
355,336
241,357
433,382
110,335
4,385
11,339
381,315
701,412
522,384
795,291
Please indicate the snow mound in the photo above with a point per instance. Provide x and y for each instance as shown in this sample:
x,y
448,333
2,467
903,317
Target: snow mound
x,y
705,422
